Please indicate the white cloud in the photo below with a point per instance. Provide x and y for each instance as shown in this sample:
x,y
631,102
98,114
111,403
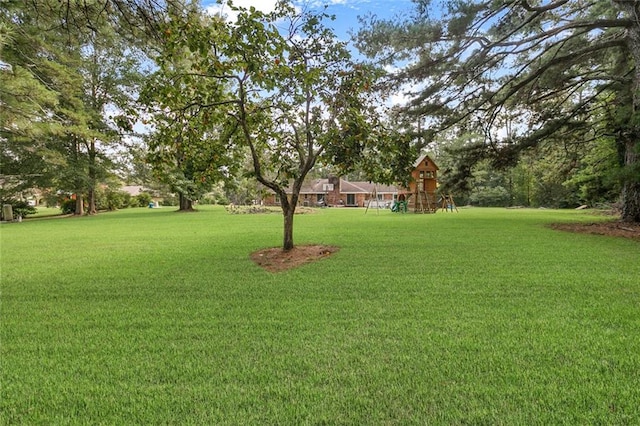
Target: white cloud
x,y
265,6
349,3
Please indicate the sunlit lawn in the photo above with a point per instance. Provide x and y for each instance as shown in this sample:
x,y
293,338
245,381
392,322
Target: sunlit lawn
x,y
147,316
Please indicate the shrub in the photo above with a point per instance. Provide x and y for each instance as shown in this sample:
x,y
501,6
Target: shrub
x,y
169,201
490,197
68,206
143,199
20,208
109,199
207,200
117,200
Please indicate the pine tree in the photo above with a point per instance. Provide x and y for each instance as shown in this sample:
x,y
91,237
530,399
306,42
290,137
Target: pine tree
x,y
555,65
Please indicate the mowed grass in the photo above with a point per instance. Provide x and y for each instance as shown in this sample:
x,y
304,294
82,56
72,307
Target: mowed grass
x,y
486,316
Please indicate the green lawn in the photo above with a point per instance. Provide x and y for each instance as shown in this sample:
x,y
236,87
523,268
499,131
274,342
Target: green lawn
x,y
147,316
46,212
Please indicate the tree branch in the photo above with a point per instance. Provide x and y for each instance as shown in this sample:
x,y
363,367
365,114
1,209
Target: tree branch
x,y
525,4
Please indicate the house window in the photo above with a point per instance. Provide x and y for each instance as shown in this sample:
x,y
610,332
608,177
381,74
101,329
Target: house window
x,y
351,199
421,175
319,197
430,175
380,196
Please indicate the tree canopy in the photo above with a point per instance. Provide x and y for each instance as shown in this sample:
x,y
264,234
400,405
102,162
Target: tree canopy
x,y
68,67
550,85
279,86
519,72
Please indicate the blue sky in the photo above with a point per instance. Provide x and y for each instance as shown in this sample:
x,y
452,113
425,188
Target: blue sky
x,y
346,11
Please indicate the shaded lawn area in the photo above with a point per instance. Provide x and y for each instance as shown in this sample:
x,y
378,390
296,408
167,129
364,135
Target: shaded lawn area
x,y
485,316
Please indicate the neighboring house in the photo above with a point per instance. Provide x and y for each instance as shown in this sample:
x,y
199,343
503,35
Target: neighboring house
x,y
421,195
337,192
133,190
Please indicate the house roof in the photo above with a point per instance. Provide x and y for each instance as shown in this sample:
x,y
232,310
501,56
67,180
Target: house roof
x,y
132,189
347,187
424,157
313,187
317,186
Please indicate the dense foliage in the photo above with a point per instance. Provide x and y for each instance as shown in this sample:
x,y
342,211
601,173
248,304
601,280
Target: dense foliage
x,y
520,102
277,87
521,74
67,95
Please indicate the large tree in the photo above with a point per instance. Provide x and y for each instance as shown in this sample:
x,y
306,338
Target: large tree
x,y
24,101
39,95
558,69
111,72
185,147
69,67
282,87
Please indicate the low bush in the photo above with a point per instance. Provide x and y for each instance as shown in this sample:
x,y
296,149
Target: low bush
x,y
143,199
20,208
68,206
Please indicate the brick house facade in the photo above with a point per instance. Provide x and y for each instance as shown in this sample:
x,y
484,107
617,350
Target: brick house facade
x,y
337,192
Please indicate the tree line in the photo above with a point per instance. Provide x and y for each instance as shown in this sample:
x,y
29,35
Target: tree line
x,y
522,102
535,87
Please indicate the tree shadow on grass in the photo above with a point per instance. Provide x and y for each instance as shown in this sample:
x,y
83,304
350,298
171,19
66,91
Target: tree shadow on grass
x,y
608,228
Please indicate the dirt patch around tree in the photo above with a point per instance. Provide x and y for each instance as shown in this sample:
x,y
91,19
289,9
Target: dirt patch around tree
x,y
608,228
278,260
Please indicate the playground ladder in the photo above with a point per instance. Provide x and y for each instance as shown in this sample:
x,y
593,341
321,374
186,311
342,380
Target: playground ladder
x,y
423,203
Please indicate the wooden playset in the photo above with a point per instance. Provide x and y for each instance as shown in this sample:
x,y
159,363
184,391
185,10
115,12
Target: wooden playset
x,y
422,195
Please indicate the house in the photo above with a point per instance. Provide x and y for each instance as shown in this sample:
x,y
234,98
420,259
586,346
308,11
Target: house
x,y
133,190
338,192
421,195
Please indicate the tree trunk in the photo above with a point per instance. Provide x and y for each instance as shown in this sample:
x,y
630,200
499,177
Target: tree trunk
x,y
287,243
186,205
288,211
91,196
79,205
631,202
91,201
631,187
